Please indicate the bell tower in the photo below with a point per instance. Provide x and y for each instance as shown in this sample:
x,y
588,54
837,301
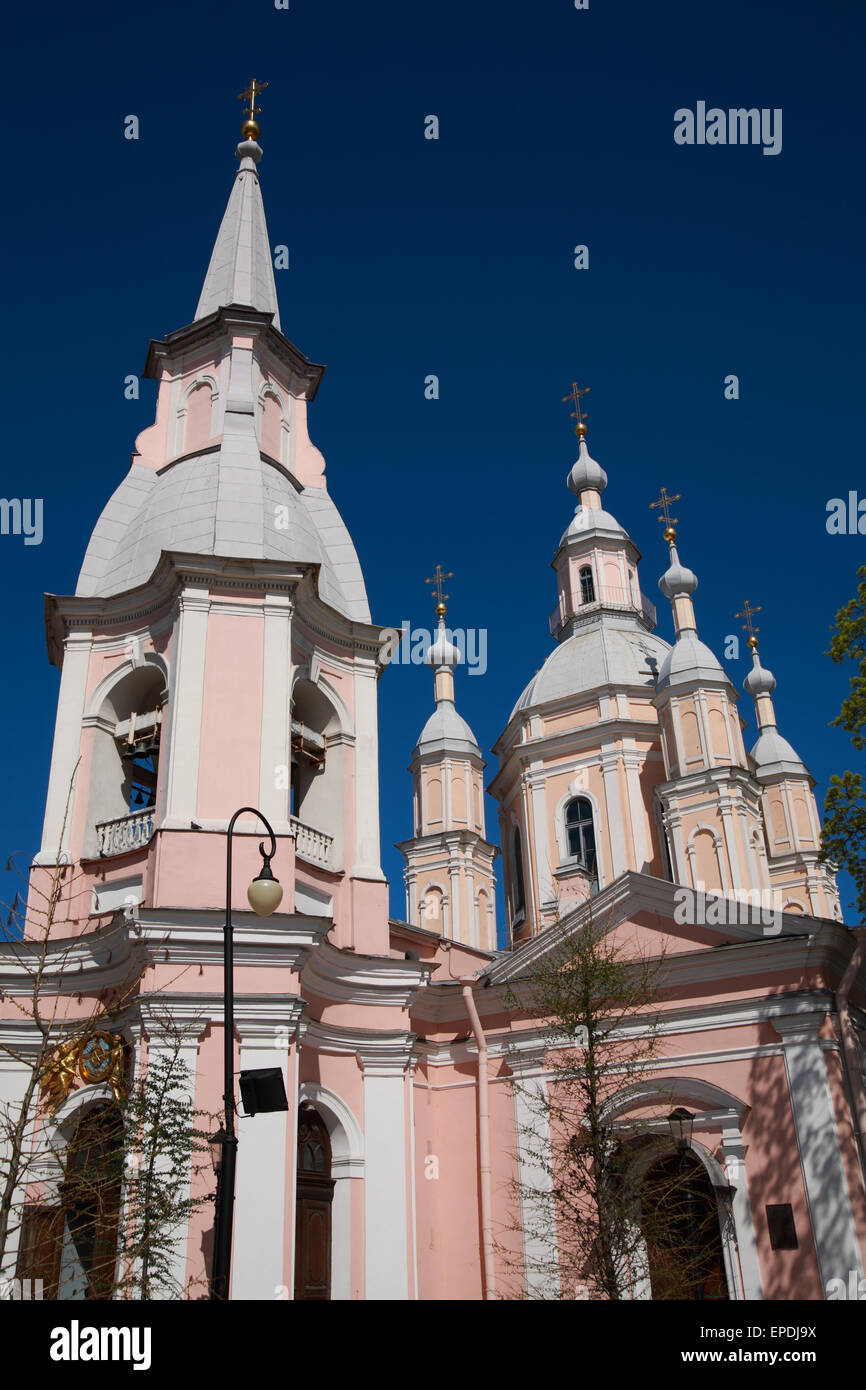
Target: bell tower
x,y
218,650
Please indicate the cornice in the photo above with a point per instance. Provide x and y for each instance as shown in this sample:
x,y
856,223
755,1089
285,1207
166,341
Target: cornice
x,y
632,893
179,935
344,977
93,960
372,1046
582,736
223,323
68,614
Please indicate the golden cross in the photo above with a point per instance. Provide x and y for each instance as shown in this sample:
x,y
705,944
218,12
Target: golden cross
x,y
250,95
748,613
574,396
665,501
438,578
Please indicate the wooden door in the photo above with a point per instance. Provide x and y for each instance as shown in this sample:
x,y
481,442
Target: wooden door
x,y
315,1190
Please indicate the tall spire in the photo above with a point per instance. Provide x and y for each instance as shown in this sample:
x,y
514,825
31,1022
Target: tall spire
x,y
241,270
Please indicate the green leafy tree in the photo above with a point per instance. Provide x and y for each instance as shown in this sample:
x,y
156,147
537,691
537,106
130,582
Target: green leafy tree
x,y
844,835
135,1187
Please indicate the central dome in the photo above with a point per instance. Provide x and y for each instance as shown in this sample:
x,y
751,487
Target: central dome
x,y
611,651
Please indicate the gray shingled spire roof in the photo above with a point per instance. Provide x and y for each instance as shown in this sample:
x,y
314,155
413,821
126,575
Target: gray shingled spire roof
x,y
241,270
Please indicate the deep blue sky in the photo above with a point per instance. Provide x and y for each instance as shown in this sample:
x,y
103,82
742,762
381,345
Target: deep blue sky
x,y
454,257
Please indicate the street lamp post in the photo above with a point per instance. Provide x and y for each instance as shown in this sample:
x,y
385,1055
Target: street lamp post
x,y
264,894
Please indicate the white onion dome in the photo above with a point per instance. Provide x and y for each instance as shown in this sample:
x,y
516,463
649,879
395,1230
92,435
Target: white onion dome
x,y
586,473
677,579
442,653
759,681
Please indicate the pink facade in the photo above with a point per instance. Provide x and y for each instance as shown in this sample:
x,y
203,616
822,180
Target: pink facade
x,y
219,652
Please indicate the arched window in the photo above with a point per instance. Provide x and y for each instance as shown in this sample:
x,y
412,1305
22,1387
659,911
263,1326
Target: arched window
x,y
587,584
580,832
519,885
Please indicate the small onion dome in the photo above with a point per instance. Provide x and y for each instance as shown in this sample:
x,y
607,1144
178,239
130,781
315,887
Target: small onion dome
x,y
759,681
443,652
677,579
586,473
249,149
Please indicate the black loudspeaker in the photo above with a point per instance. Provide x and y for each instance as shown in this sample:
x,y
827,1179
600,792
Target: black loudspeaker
x,y
263,1090
783,1233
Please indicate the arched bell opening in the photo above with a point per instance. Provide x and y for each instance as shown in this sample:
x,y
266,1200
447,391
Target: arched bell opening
x,y
317,763
125,767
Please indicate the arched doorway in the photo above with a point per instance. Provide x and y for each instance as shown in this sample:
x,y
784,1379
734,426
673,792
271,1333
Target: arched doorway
x,y
315,1191
90,1196
680,1222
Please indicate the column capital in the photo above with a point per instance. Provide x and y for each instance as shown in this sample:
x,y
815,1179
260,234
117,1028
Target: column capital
x,y
272,1017
796,1029
386,1056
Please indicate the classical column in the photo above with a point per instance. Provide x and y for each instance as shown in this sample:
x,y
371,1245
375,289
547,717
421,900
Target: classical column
x,y
823,1171
265,1165
386,1241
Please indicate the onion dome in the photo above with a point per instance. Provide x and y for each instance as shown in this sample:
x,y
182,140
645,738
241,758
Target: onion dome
x,y
677,579
759,681
442,653
586,474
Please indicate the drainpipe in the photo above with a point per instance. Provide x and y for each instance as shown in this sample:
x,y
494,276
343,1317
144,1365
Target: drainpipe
x,y
483,1143
849,1046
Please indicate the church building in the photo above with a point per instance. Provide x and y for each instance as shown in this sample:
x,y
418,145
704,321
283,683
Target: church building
x,y
219,653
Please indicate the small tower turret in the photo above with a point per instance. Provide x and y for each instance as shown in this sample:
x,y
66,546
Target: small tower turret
x,y
791,822
710,803
450,883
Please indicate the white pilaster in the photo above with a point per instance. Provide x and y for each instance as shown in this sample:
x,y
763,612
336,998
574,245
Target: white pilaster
x,y
367,856
180,1044
732,1152
265,1159
823,1171
186,695
386,1243
274,800
632,761
534,1174
67,745
614,811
